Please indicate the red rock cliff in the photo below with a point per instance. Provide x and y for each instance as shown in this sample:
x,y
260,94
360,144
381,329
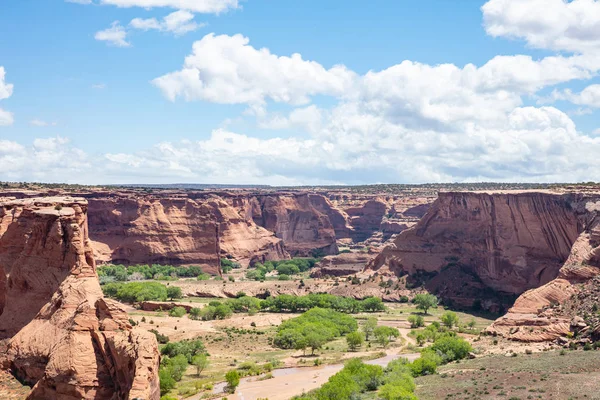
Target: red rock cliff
x,y
60,334
507,242
540,314
145,230
300,220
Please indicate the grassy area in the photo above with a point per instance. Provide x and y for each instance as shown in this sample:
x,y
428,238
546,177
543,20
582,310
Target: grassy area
x,y
546,375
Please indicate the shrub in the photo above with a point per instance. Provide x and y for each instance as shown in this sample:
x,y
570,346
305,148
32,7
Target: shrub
x,y
284,277
416,321
425,365
174,292
203,277
233,380
188,348
195,313
449,319
354,340
133,292
403,299
451,348
177,312
160,338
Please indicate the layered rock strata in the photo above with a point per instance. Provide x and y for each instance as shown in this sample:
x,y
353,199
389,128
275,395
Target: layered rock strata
x,y
60,335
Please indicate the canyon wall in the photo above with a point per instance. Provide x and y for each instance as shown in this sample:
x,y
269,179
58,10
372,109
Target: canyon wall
x,y
59,333
469,243
146,230
555,309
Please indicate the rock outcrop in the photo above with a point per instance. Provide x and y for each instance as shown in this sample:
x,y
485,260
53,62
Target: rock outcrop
x,y
160,230
341,265
300,220
241,238
477,243
547,312
59,333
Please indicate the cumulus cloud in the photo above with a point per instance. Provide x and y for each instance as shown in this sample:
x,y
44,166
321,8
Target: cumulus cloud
x,y
226,69
198,6
179,23
116,35
561,25
47,159
6,90
590,96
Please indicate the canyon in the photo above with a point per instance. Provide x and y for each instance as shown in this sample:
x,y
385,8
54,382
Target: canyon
x,y
532,256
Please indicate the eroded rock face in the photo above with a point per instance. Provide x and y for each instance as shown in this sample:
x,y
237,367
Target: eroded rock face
x,y
547,312
61,335
146,230
507,242
341,265
300,220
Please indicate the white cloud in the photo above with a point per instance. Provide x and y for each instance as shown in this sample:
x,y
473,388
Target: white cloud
x,y
41,123
116,35
198,6
6,90
179,23
226,69
48,160
572,26
590,96
99,86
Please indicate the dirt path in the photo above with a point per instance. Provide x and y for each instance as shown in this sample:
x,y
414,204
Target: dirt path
x,y
289,382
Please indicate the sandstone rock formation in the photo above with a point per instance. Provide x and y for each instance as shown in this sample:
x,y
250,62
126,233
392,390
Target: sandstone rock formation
x,y
476,242
547,312
300,220
241,238
147,230
60,335
341,264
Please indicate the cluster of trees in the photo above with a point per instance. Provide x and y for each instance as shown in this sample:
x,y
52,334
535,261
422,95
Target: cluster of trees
x,y
394,383
121,273
382,334
227,265
284,268
176,357
134,292
289,303
313,329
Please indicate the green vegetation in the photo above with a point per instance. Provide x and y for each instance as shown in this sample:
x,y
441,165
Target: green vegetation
x,y
416,321
384,334
425,301
175,360
283,268
121,273
228,265
134,292
355,341
313,329
200,361
177,312
290,303
356,378
449,319
233,380
369,327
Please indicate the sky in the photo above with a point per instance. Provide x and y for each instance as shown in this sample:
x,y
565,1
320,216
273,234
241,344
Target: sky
x,y
283,92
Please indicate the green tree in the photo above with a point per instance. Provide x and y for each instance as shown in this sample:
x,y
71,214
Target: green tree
x,y
354,340
315,341
195,313
382,336
174,292
200,361
416,321
471,324
177,312
233,380
166,380
425,301
369,326
449,319
373,304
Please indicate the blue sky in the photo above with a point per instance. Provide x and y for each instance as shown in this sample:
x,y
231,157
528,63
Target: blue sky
x,y
91,111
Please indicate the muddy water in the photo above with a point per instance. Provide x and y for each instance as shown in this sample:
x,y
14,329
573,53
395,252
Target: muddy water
x,y
289,382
